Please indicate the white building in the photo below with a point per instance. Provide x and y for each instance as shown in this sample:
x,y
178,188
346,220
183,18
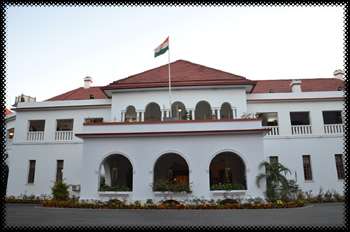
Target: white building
x,y
124,133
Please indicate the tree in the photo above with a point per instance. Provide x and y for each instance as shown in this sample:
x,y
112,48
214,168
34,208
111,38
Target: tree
x,y
276,181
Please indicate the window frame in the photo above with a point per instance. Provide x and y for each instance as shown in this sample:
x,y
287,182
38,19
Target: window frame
x,y
310,168
309,118
31,178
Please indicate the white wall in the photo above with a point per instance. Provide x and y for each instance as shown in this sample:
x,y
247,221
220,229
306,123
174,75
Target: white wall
x,y
45,170
50,117
198,151
284,108
190,97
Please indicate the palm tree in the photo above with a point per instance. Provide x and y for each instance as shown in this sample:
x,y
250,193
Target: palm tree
x,y
275,178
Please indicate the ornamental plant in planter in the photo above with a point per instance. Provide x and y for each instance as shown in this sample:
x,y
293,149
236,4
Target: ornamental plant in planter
x,y
227,186
117,188
164,186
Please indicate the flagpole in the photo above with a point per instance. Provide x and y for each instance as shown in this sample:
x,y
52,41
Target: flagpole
x,y
170,112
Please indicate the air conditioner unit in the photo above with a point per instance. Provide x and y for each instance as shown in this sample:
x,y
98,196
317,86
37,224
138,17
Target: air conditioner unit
x,y
76,188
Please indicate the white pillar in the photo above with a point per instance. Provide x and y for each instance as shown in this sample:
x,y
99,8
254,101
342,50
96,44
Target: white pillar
x,y
162,116
142,116
192,113
123,116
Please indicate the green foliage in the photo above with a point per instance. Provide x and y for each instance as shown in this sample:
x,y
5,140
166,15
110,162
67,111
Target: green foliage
x,y
164,185
117,188
227,186
277,184
149,202
60,191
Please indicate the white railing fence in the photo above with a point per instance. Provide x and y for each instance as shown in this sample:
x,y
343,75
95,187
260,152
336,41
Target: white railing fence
x,y
35,135
301,130
333,128
63,135
274,130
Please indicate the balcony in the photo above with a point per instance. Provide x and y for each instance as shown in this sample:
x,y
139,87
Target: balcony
x,y
273,130
35,135
333,128
172,128
63,135
301,130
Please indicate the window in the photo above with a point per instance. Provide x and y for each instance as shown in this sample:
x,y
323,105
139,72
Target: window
x,y
91,96
268,119
31,172
93,120
64,125
273,159
307,167
332,117
59,171
299,118
340,166
36,125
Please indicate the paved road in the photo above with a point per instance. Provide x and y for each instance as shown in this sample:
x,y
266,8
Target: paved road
x,y
318,214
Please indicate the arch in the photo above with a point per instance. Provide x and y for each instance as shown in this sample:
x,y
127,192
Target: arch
x,y
178,110
226,111
130,114
152,112
203,111
118,173
171,173
227,169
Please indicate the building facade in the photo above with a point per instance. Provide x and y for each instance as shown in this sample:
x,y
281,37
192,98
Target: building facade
x,y
130,140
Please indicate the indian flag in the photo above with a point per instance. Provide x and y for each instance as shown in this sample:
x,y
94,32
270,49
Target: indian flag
x,y
161,49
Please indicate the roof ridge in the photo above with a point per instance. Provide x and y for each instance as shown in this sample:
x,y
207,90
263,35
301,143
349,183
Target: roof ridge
x,y
289,79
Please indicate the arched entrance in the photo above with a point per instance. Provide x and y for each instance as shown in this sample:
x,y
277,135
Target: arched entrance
x,y
178,110
152,112
171,173
116,174
203,111
227,172
226,111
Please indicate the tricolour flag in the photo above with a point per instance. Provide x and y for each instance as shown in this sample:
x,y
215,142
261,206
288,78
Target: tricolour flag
x,y
161,49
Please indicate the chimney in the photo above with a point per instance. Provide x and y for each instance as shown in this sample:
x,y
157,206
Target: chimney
x,y
339,74
296,86
23,98
87,82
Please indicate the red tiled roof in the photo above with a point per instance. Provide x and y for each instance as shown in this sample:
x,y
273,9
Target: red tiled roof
x,y
8,112
80,94
183,73
307,85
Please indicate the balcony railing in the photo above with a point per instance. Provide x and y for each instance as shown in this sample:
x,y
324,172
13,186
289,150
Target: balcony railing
x,y
35,135
63,135
301,130
333,128
274,130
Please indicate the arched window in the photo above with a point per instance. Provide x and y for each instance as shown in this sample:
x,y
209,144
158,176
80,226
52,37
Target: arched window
x,y
227,171
152,112
130,114
171,174
178,110
116,174
203,111
226,111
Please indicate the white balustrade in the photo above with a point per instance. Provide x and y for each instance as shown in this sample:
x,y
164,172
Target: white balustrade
x,y
63,135
35,135
301,130
333,128
274,130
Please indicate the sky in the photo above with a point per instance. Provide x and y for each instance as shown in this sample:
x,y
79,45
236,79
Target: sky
x,y
51,49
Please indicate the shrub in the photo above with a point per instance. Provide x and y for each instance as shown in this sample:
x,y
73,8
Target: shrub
x,y
149,202
60,191
328,196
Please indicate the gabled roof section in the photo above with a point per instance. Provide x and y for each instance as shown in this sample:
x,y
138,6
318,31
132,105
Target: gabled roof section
x,y
81,94
183,73
307,85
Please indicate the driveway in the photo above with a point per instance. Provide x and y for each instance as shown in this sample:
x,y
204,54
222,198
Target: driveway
x,y
35,215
